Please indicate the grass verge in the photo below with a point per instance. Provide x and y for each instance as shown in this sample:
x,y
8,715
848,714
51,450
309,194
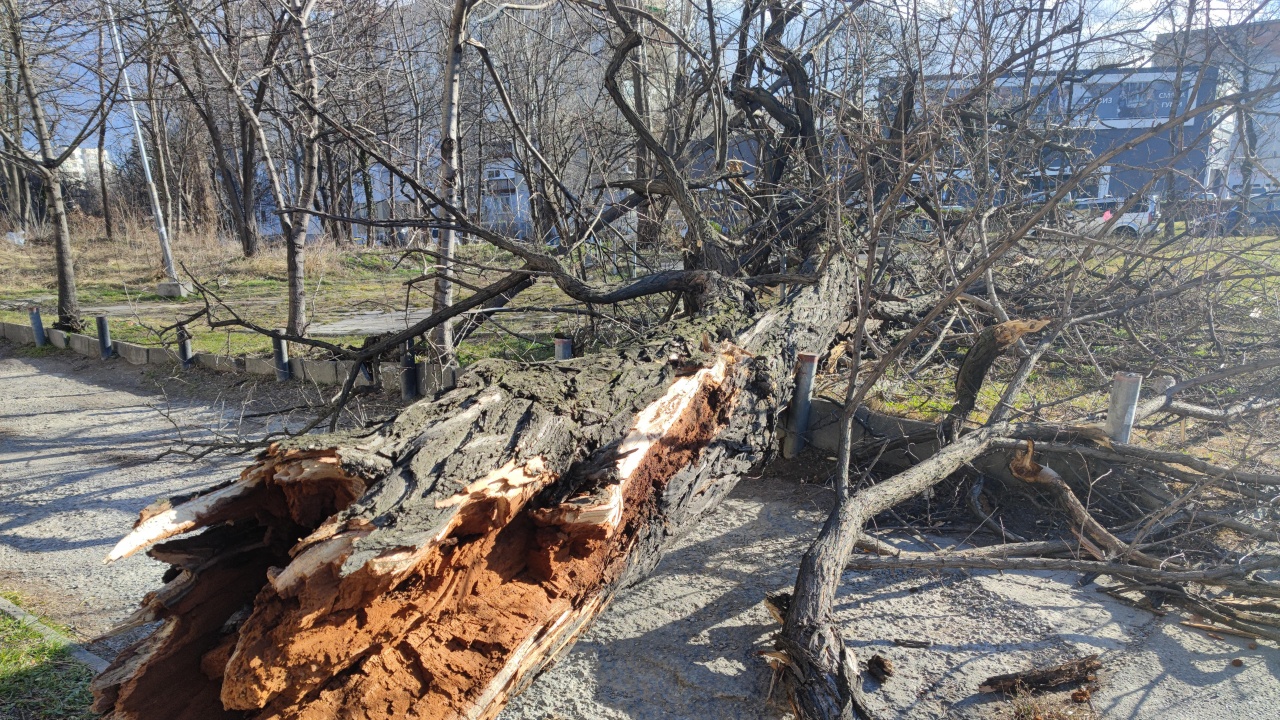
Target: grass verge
x,y
39,680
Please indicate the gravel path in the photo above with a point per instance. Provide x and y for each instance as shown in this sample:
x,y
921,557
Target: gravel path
x,y
77,442
77,436
685,643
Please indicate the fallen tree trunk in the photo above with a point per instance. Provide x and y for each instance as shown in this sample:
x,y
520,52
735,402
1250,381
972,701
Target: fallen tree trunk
x,y
432,569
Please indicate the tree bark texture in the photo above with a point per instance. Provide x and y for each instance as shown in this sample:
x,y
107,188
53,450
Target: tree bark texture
x,y
68,300
821,676
1073,671
450,166
434,568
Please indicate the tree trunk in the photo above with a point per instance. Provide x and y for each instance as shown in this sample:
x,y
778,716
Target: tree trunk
x,y
248,184
309,173
103,185
102,150
433,569
159,143
68,301
450,165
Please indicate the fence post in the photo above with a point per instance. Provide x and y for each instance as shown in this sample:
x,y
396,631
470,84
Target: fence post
x,y
185,356
564,349
37,327
104,337
280,349
408,373
1125,387
797,433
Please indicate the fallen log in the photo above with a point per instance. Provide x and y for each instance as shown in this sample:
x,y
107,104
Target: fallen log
x,y
1081,670
434,568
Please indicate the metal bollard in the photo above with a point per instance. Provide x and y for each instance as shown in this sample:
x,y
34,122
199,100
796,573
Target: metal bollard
x,y
408,373
801,401
1125,387
184,348
564,349
280,349
37,327
104,337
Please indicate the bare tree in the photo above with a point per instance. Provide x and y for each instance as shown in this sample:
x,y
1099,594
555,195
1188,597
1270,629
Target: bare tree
x,y
61,110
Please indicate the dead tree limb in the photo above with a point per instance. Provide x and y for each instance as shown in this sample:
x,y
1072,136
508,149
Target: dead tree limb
x,y
1025,468
973,371
1233,578
1069,672
821,676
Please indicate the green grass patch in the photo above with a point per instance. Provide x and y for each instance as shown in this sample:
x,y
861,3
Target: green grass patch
x,y
38,678
504,346
31,351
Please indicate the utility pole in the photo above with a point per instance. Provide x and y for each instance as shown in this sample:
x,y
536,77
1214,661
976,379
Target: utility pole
x,y
174,287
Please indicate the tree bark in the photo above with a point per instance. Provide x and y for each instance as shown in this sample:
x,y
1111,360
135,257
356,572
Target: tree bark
x,y
435,568
68,301
309,173
450,165
102,152
1074,671
240,201
821,675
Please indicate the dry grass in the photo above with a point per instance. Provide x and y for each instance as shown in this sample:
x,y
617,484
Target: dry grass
x,y
118,277
1055,706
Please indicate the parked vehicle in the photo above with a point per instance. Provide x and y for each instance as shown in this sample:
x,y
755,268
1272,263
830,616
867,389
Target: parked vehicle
x,y
1259,215
1090,215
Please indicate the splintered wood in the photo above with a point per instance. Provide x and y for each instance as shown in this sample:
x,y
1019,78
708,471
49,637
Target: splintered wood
x,y
449,628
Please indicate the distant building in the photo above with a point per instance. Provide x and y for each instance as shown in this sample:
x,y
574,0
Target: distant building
x,y
1120,107
81,167
1247,57
1101,112
505,200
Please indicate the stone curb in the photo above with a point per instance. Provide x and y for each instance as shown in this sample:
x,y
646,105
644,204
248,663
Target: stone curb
x,y
77,651
431,378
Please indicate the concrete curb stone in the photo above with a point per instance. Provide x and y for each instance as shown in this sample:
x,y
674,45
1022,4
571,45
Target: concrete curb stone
x,y
432,379
217,363
259,366
133,354
84,345
322,372
161,356
20,333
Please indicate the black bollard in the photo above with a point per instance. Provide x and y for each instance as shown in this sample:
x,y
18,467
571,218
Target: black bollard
x,y
184,348
37,327
408,373
280,349
104,337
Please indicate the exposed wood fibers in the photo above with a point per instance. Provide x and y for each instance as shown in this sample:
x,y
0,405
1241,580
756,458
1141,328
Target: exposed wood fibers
x,y
251,525
456,632
449,629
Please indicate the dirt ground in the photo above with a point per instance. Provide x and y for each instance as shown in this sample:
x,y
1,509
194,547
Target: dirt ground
x,y
77,438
